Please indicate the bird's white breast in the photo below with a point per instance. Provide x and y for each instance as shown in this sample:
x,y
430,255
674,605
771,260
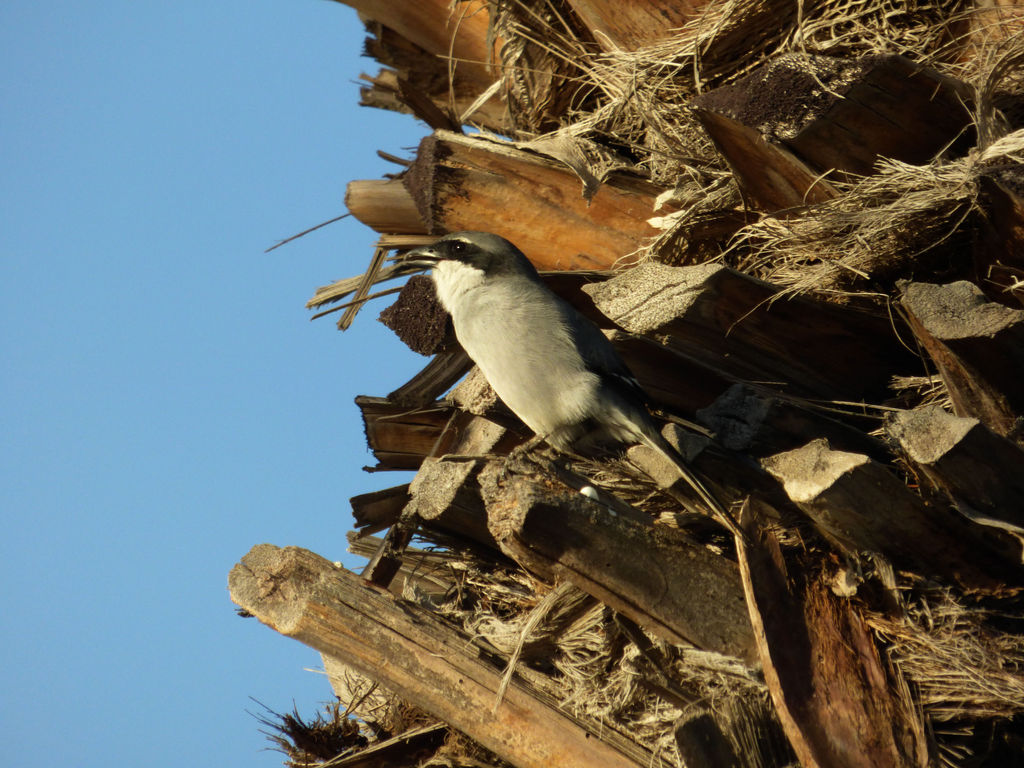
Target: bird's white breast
x,y
453,279
515,331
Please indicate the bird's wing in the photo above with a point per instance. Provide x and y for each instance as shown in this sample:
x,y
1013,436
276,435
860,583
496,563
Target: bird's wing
x,y
602,358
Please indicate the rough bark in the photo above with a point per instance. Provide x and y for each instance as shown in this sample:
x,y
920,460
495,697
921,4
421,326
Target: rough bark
x,y
744,327
426,662
825,675
678,589
978,347
982,472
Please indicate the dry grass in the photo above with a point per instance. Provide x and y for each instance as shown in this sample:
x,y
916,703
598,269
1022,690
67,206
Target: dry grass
x,y
903,221
877,231
577,652
962,667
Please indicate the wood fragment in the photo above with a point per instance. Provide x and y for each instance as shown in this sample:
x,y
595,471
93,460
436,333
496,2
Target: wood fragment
x,y
427,73
384,205
420,658
387,561
436,378
422,570
894,108
982,472
978,347
475,395
729,477
466,183
772,177
400,436
751,421
426,109
859,505
672,379
444,495
378,510
824,672
746,328
833,114
678,589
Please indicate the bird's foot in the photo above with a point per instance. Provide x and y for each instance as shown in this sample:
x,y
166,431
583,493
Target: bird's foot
x,y
522,459
471,457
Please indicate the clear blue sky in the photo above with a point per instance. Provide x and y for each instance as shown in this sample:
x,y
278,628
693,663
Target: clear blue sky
x,y
166,403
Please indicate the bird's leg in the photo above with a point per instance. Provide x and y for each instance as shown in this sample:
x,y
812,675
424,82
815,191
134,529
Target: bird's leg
x,y
471,457
513,457
524,448
515,454
524,452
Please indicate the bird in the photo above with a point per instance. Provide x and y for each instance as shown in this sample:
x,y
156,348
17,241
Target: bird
x,y
549,364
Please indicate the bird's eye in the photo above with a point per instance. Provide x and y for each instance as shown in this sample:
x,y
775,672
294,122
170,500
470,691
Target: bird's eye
x,y
457,246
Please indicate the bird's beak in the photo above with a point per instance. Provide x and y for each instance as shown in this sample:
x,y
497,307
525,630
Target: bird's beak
x,y
424,258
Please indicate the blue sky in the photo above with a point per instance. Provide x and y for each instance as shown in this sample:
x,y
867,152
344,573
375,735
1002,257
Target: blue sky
x,y
166,403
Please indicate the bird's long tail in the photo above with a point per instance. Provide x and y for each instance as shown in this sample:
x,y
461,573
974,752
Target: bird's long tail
x,y
718,510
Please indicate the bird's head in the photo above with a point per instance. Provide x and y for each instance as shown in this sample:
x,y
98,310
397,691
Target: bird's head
x,y
484,252
461,261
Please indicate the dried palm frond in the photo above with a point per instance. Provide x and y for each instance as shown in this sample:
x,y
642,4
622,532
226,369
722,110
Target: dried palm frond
x,y
904,220
961,666
359,286
541,53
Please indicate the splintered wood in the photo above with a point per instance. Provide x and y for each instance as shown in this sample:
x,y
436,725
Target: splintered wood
x,y
301,595
978,469
746,328
811,117
461,183
825,674
564,535
801,225
978,347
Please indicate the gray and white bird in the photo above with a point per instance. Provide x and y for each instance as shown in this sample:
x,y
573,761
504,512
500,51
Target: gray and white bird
x,y
549,364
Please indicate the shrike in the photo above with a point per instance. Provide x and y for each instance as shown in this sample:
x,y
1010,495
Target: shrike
x,y
553,367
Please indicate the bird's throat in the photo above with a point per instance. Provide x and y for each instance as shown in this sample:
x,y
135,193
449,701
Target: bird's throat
x,y
453,279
